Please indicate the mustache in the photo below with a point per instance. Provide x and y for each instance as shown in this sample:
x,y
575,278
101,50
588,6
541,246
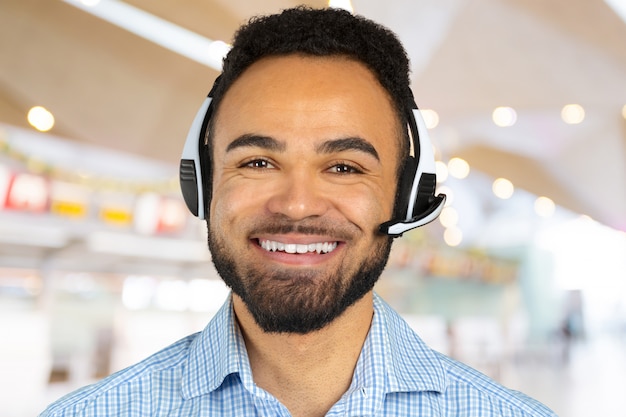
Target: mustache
x,y
306,227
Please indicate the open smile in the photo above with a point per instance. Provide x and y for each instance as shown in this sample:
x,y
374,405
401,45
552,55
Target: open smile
x,y
319,247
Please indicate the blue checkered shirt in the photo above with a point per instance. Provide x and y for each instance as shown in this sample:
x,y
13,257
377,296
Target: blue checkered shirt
x,y
208,374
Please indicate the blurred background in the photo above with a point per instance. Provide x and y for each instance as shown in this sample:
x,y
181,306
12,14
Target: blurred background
x,y
523,276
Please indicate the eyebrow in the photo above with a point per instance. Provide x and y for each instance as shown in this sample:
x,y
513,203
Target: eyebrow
x,y
327,147
348,144
258,141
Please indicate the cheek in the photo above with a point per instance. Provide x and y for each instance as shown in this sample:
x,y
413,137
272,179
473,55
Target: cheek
x,y
229,202
368,208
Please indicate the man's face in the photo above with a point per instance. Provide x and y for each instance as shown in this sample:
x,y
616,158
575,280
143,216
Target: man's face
x,y
304,172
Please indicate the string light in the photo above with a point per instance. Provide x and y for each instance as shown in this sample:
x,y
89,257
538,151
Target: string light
x,y
458,168
449,217
504,116
544,207
503,188
40,118
573,114
453,236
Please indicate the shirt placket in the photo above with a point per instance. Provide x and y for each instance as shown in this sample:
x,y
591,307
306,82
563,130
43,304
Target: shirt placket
x,y
361,401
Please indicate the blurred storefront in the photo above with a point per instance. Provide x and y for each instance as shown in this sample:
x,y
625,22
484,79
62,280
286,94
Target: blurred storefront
x,y
98,271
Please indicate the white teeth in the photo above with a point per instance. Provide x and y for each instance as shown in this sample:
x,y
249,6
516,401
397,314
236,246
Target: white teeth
x,y
273,246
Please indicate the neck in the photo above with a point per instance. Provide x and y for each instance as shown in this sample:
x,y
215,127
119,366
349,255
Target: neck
x,y
307,373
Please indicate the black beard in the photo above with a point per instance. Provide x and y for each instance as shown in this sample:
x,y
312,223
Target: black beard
x,y
281,302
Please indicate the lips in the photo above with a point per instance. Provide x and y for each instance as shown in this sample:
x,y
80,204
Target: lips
x,y
293,248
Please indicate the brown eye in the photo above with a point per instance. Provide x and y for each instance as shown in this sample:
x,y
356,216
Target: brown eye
x,y
258,164
344,169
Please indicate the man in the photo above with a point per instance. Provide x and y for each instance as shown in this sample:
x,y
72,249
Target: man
x,y
306,156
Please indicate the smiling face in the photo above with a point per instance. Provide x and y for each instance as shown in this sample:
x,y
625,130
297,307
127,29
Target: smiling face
x,y
305,155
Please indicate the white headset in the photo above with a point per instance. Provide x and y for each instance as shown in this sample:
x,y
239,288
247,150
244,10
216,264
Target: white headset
x,y
416,188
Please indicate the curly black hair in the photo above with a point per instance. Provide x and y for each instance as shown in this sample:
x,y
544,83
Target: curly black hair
x,y
316,32
321,32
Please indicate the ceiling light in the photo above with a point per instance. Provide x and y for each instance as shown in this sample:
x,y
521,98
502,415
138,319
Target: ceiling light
x,y
40,118
431,118
619,7
458,168
453,236
341,4
573,114
624,111
218,50
504,116
503,188
449,217
159,31
544,207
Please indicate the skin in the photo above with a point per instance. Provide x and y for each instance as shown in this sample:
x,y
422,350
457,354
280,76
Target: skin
x,y
304,141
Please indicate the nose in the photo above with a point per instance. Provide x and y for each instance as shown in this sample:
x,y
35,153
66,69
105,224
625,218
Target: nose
x,y
298,196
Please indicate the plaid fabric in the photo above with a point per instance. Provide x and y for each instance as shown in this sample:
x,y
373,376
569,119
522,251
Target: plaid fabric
x,y
208,374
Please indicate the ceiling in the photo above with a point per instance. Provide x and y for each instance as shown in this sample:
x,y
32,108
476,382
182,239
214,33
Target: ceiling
x,y
111,88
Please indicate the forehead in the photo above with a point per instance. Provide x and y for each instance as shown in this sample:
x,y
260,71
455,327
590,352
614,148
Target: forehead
x,y
312,98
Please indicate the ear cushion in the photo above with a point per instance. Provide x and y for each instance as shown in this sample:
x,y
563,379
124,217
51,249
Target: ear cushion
x,y
189,184
206,152
403,193
192,164
407,194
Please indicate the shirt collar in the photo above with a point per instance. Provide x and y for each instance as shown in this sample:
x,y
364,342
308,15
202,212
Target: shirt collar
x,y
393,359
218,351
393,353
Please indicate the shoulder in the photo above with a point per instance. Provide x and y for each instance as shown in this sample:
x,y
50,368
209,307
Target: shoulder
x,y
450,386
466,385
137,381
